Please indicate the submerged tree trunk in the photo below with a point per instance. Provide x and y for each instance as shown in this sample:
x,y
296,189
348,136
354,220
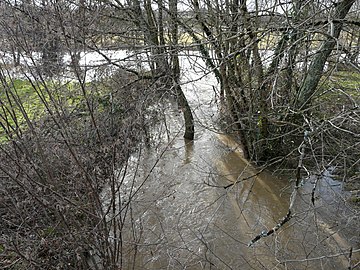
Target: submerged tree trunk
x,y
182,101
188,116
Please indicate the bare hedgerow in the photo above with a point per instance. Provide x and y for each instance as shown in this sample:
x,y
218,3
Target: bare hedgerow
x,y
52,175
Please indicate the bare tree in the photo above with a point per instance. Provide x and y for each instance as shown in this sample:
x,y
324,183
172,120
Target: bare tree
x,y
81,188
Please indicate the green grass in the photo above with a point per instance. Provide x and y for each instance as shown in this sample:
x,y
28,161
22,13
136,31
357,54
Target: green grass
x,y
340,87
20,100
348,81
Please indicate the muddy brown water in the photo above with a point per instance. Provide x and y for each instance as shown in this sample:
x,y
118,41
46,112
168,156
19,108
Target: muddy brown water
x,y
182,217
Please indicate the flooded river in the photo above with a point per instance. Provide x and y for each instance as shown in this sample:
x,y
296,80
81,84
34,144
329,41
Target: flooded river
x,y
182,217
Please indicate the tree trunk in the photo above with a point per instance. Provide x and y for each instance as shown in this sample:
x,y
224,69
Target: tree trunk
x,y
182,101
315,71
188,117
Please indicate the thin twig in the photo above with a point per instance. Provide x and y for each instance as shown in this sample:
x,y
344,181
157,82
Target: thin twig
x,y
289,214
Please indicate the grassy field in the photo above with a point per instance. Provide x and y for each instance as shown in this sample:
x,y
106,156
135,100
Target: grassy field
x,y
24,102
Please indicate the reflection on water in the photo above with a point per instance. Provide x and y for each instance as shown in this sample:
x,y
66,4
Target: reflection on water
x,y
189,150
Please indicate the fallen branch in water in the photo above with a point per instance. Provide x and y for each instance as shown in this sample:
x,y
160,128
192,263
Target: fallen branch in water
x,y
243,179
289,214
271,231
239,180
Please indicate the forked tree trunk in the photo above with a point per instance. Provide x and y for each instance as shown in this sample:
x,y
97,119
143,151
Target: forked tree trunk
x,y
315,71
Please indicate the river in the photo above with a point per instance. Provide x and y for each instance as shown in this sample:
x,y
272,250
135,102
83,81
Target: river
x,y
182,217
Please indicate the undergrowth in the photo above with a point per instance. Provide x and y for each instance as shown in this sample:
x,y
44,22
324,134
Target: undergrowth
x,y
54,165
